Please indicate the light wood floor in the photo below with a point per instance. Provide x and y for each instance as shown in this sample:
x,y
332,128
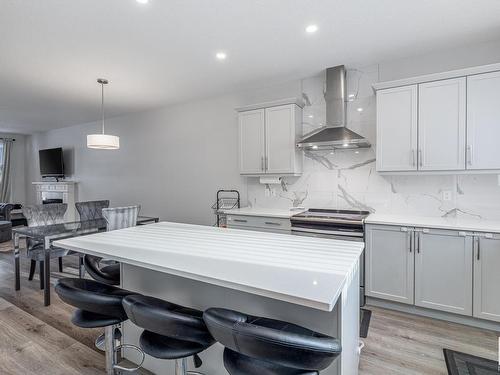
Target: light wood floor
x,y
403,344
41,340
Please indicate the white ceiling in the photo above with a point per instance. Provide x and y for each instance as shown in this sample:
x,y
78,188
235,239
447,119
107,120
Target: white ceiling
x,y
52,51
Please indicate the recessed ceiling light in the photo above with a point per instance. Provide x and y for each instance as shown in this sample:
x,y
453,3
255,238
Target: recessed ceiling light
x,y
315,147
359,109
311,116
221,55
345,145
311,29
142,1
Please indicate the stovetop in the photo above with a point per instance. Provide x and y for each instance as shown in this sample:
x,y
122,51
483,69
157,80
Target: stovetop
x,y
326,214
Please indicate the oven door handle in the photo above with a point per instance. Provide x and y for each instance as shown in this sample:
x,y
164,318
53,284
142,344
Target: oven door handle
x,y
326,220
331,232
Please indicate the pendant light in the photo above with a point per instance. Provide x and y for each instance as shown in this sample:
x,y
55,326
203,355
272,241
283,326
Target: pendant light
x,y
103,141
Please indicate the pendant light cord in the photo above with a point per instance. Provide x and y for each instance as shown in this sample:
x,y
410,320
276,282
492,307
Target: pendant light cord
x,y
102,105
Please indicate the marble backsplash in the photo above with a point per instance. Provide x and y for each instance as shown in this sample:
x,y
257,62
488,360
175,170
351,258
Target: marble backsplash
x,y
347,179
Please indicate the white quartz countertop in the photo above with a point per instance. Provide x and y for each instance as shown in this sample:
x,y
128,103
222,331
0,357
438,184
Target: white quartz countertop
x,y
265,212
306,271
462,224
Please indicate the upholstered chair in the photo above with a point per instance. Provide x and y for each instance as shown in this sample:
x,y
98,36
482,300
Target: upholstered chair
x,y
91,210
42,215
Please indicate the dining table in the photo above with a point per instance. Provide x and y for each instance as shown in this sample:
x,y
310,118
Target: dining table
x,y
46,234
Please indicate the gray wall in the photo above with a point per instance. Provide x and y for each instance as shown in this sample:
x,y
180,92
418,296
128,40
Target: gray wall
x,y
173,160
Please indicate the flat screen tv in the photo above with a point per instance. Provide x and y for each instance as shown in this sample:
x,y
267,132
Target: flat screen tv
x,y
51,162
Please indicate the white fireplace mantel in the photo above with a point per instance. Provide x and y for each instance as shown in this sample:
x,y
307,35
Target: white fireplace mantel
x,y
63,190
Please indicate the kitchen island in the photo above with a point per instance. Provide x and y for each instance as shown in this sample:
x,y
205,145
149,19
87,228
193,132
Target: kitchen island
x,y
312,282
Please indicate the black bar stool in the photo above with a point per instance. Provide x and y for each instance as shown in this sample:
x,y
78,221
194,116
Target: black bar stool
x,y
262,346
98,305
108,274
170,331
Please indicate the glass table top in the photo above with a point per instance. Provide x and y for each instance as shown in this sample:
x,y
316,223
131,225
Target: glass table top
x,y
70,229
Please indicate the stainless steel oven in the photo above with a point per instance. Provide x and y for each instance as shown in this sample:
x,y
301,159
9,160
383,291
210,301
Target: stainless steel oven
x,y
344,225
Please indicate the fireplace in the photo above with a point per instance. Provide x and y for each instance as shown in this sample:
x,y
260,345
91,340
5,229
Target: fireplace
x,y
58,192
52,197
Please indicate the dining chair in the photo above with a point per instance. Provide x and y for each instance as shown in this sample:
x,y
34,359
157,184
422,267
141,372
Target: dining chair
x,y
91,210
42,215
116,218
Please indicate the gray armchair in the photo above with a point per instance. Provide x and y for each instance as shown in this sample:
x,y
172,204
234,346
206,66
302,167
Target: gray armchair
x,y
5,209
38,215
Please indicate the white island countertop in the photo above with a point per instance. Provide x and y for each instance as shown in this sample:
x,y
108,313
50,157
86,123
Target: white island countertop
x,y
301,270
454,223
265,212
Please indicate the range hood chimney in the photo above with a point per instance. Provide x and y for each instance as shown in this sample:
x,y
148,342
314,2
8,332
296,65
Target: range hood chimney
x,y
334,135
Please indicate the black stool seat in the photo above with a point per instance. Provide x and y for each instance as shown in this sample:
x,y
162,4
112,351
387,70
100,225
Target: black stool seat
x,y
98,304
256,345
109,274
170,331
164,347
87,319
240,364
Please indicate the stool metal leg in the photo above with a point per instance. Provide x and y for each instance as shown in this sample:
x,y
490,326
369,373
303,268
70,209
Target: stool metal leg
x,y
109,346
180,366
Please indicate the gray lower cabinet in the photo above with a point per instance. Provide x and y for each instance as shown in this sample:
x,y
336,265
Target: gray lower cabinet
x,y
487,277
447,270
259,223
389,263
443,270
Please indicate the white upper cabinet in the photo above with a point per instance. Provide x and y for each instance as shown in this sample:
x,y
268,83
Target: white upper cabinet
x,y
441,125
281,129
397,129
442,122
252,141
483,121
268,140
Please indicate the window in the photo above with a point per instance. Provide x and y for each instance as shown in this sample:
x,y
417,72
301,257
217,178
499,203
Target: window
x,y
1,160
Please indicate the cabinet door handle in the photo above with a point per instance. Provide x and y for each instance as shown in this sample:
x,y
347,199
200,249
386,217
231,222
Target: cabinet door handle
x,y
478,248
266,163
240,220
262,165
469,154
417,242
412,157
271,223
409,241
421,163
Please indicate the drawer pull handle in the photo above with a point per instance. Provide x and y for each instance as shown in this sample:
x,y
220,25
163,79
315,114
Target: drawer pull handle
x,y
271,223
240,220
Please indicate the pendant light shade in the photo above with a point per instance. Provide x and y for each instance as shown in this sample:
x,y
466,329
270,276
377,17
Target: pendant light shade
x,y
103,141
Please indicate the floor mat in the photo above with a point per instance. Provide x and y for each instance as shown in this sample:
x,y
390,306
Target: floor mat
x,y
465,364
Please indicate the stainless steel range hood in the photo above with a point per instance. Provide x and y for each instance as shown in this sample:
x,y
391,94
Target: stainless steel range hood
x,y
334,135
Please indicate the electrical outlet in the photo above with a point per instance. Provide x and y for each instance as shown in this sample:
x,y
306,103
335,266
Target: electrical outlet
x,y
447,195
